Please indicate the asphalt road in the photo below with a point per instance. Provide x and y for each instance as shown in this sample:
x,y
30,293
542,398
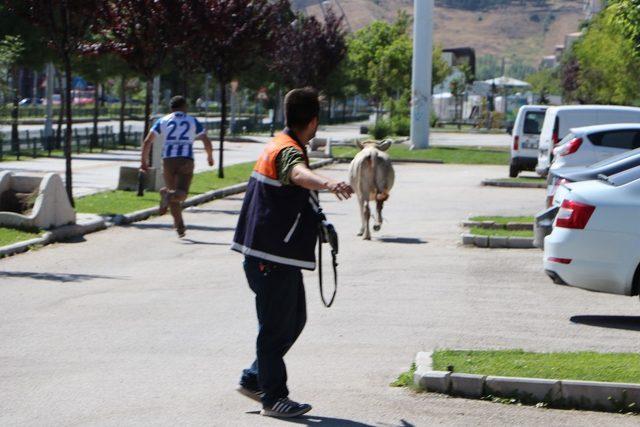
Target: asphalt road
x,y
136,327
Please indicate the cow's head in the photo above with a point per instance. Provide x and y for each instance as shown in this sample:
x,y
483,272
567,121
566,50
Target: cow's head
x,y
380,145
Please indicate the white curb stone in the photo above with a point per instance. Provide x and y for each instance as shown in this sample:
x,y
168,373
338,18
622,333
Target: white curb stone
x,y
520,243
540,390
468,239
436,381
600,395
481,241
498,242
467,385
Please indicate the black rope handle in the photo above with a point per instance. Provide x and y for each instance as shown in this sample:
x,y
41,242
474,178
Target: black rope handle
x,y
335,270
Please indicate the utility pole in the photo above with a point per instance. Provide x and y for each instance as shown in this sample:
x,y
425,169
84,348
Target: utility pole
x,y
421,74
48,121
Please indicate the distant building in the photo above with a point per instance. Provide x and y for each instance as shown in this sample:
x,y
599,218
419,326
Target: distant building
x,y
549,62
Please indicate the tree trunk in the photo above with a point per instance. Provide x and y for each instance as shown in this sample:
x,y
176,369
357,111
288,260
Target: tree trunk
x,y
15,139
147,112
69,132
60,113
223,123
96,112
123,102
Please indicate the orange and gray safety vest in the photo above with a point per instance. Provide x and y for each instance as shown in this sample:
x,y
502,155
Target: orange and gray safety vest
x,y
278,223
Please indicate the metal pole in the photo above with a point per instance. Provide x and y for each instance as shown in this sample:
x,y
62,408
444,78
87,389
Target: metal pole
x,y
421,76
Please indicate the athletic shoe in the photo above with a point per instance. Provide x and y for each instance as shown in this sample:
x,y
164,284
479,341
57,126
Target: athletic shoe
x,y
181,232
164,201
252,393
285,408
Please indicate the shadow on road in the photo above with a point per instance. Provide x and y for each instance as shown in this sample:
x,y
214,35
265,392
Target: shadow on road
x,y
310,420
54,277
187,241
402,240
629,323
189,227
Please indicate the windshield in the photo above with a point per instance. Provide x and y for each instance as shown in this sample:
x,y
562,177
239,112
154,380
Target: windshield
x,y
622,178
614,159
533,122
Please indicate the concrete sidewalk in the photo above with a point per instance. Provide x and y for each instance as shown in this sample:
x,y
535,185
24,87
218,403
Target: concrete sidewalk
x,y
136,327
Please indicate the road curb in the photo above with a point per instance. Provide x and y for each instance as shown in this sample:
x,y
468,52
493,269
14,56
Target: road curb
x,y
88,224
497,242
566,394
507,184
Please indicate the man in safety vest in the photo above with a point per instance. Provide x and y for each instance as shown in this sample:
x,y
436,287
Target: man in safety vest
x,y
177,132
277,232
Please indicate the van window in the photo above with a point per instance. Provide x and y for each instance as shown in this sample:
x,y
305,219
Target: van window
x,y
533,122
623,139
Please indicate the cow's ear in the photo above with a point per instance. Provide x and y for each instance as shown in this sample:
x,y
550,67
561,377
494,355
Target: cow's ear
x,y
359,144
384,145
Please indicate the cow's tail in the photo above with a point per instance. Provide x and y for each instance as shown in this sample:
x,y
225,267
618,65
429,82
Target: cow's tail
x,y
381,193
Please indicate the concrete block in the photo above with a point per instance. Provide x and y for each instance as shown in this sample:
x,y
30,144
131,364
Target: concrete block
x,y
530,390
468,239
481,241
128,180
424,361
519,226
600,395
467,385
435,381
487,224
498,242
520,243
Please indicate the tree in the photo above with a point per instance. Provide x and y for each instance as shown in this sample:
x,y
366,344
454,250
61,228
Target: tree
x,y
545,82
237,34
141,33
65,26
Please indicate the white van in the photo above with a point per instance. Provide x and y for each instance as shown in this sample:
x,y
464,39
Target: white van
x,y
526,135
559,120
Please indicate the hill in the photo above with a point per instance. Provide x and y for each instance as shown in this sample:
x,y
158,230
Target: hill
x,y
529,29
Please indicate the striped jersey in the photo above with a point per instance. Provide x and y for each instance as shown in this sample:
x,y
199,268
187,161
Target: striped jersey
x,y
177,131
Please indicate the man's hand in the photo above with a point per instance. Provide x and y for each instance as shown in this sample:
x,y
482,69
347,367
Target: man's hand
x,y
341,189
144,167
210,159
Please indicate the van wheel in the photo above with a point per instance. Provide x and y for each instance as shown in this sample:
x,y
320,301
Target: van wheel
x,y
513,171
635,286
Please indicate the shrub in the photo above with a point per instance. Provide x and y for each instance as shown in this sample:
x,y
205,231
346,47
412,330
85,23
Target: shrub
x,y
382,129
401,125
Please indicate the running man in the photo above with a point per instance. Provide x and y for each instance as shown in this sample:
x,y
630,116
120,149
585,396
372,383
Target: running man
x,y
177,132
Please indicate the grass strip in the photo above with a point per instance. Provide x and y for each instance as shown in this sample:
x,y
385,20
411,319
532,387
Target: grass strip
x,y
9,236
586,366
503,219
500,232
120,202
448,155
405,379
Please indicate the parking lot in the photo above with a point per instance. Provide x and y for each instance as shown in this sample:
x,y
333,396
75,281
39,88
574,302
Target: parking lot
x,y
135,326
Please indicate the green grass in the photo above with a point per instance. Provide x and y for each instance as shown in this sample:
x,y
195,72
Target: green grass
x,y
588,366
122,202
501,232
10,236
450,155
405,379
503,219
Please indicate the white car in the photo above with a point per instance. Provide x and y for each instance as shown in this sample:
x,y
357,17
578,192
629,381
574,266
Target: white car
x,y
595,243
558,121
588,145
526,136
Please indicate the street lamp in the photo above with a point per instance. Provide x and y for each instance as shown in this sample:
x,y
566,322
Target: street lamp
x,y
421,74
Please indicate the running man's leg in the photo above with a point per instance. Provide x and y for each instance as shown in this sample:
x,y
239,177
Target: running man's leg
x,y
169,175
183,177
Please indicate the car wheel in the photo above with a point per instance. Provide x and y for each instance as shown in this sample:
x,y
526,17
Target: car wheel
x,y
635,286
513,171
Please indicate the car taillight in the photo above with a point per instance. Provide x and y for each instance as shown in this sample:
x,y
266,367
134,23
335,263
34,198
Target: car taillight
x,y
560,260
574,215
516,142
570,147
554,138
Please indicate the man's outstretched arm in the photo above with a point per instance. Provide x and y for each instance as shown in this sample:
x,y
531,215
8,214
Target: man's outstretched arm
x,y
208,147
146,149
304,177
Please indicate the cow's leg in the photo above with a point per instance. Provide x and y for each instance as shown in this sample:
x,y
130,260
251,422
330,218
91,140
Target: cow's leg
x,y
367,216
378,224
361,208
